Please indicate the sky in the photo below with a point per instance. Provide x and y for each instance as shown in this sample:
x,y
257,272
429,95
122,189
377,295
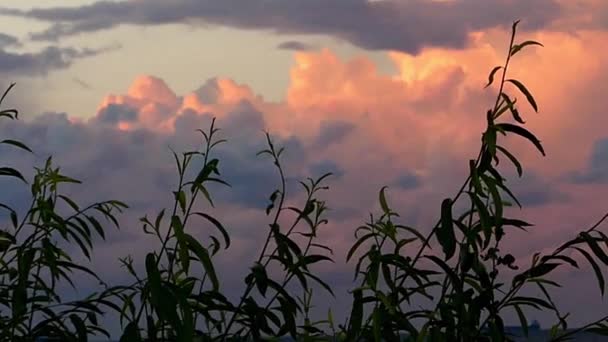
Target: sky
x,y
385,92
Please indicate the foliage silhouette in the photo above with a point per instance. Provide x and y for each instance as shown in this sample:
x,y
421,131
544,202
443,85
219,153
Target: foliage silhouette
x,y
178,296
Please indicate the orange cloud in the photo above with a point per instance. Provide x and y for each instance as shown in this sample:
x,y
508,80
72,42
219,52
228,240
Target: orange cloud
x,y
432,106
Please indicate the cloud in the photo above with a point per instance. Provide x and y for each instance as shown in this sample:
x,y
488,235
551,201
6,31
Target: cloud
x,y
408,181
295,46
532,190
331,132
597,168
376,25
15,64
8,41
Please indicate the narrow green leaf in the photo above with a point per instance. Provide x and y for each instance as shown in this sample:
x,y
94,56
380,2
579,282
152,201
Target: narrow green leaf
x,y
445,233
203,256
8,171
535,272
383,202
16,144
597,250
448,271
510,105
596,269
357,244
81,329
491,76
356,316
182,250
513,160
131,333
520,46
218,225
526,93
524,133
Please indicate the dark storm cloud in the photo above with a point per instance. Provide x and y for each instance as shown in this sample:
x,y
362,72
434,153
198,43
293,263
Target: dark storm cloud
x,y
375,25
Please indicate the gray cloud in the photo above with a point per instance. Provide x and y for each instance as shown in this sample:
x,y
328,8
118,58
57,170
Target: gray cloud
x,y
114,113
325,166
40,63
408,181
8,41
295,46
389,24
533,191
597,169
332,132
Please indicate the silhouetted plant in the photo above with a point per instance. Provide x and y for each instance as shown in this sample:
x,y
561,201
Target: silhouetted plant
x,y
34,260
460,293
465,294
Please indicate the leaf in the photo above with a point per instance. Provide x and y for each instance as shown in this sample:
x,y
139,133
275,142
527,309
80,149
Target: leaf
x,y
320,282
261,278
6,240
16,144
518,47
376,324
383,203
180,196
597,250
524,133
203,256
448,271
535,272
218,225
182,250
596,269
356,316
357,244
491,76
311,259
81,329
512,159
97,226
511,107
203,175
522,319
525,91
70,202
8,171
531,301
445,233
131,333
567,259
482,211
153,273
6,92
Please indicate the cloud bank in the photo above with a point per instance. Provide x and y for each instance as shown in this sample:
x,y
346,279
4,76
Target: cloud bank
x,y
406,26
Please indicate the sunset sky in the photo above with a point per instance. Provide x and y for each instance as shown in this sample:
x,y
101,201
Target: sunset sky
x,y
386,92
